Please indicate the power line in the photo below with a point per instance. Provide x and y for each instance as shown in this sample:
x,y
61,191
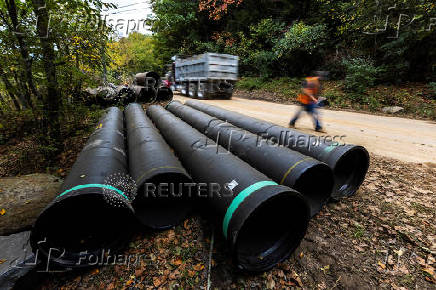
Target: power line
x,y
130,5
119,12
133,4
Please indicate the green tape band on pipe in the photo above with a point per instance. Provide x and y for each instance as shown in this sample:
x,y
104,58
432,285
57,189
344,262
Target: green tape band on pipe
x,y
104,186
239,199
330,148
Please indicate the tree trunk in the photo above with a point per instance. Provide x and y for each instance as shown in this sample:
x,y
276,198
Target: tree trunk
x,y
2,101
27,60
21,91
51,101
8,87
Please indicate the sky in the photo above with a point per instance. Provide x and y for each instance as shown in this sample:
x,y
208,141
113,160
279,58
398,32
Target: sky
x,y
129,16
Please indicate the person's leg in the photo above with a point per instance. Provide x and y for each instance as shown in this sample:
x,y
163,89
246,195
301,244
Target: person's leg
x,y
316,118
297,116
312,110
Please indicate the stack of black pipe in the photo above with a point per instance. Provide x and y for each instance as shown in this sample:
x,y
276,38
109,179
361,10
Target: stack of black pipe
x,y
263,222
146,86
148,89
349,163
307,175
260,193
319,172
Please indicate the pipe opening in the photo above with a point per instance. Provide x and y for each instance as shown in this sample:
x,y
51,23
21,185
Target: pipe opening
x,y
79,224
350,171
316,184
165,208
164,95
271,232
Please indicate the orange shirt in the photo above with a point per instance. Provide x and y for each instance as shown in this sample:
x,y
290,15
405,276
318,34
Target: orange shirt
x,y
313,88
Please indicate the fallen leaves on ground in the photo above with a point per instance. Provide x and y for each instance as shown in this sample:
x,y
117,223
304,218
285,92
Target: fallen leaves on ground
x,y
95,272
157,282
177,262
198,267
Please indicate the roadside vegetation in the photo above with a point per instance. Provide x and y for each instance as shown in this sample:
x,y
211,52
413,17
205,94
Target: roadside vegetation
x,y
417,99
47,61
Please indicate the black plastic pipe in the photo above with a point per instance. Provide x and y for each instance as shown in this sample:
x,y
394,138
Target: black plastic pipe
x,y
152,165
262,221
349,163
121,90
148,79
310,177
92,214
164,94
144,94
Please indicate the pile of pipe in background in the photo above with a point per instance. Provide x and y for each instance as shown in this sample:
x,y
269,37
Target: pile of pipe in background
x,y
265,197
146,88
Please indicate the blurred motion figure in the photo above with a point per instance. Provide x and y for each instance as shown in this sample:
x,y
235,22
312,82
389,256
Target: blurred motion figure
x,y
309,100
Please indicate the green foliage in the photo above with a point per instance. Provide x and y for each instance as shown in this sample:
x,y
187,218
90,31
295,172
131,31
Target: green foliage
x,y
432,86
79,120
177,27
131,55
76,40
269,50
394,57
262,62
266,33
74,118
361,74
284,86
250,83
19,125
397,34
302,37
255,48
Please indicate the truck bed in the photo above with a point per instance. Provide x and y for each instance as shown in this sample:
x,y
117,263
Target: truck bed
x,y
208,66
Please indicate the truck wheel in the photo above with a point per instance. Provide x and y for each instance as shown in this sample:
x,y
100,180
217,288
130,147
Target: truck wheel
x,y
187,90
193,88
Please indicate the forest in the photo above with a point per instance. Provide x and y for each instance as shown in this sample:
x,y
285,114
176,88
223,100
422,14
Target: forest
x,y
387,41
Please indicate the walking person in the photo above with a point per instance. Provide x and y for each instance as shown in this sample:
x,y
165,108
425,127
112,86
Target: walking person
x,y
308,99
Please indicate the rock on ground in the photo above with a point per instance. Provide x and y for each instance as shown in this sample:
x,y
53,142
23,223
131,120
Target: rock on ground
x,y
23,198
16,261
14,249
392,110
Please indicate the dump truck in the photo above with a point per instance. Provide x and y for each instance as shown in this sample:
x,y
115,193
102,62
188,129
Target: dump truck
x,y
205,76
